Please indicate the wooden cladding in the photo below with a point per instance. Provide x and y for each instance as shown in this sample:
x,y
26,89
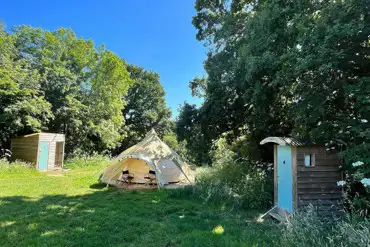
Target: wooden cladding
x,y
25,148
317,185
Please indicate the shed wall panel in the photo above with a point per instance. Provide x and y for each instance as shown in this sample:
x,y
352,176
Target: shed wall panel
x,y
317,185
25,148
294,174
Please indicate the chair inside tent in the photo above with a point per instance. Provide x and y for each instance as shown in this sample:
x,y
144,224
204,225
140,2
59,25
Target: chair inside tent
x,y
149,161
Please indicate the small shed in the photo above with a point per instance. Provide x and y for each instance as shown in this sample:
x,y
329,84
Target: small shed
x,y
44,150
305,174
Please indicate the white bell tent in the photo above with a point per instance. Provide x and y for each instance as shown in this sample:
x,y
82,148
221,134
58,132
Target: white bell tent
x,y
150,154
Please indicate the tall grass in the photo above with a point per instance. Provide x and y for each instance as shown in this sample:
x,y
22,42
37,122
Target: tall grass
x,y
87,161
15,168
307,228
237,183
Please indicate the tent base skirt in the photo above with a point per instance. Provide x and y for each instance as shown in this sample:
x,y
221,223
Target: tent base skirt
x,y
138,186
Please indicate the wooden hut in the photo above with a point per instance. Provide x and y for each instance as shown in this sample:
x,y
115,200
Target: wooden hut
x,y
305,174
44,150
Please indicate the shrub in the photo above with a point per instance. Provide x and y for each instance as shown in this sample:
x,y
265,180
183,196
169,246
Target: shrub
x,y
357,179
306,228
237,182
240,183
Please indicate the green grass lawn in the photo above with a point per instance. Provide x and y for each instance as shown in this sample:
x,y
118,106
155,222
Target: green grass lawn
x,y
71,209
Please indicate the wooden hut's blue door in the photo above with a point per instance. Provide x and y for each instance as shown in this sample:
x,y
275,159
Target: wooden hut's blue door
x,y
43,156
285,183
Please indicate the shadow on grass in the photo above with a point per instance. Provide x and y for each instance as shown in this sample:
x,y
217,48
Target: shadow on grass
x,y
113,218
98,186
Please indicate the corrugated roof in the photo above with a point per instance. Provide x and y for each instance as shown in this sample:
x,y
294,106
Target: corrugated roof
x,y
286,141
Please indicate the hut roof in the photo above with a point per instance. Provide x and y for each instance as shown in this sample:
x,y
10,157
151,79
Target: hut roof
x,y
286,141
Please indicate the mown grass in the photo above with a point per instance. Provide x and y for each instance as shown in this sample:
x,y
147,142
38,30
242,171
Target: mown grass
x,y
71,209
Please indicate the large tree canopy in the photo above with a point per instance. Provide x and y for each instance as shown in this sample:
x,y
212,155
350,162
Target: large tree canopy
x,y
146,108
23,107
83,85
57,82
285,68
298,68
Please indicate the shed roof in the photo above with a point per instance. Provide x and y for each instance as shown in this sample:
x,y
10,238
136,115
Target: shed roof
x,y
286,141
36,134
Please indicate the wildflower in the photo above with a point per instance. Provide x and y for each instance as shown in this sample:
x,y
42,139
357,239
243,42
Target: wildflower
x,y
358,163
364,121
218,230
341,183
366,181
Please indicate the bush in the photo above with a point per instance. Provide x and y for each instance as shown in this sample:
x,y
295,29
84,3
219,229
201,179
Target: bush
x,y
85,161
309,229
357,179
237,182
240,183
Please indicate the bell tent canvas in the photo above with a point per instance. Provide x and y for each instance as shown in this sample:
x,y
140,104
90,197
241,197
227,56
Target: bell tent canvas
x,y
151,155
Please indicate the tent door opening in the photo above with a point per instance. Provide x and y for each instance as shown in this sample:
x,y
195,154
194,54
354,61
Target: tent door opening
x,y
138,168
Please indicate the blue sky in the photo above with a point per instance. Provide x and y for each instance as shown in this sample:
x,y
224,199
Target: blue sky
x,y
154,34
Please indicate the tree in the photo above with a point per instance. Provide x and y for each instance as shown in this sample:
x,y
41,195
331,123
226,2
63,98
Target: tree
x,y
188,130
333,94
244,90
23,108
146,106
83,85
109,82
296,68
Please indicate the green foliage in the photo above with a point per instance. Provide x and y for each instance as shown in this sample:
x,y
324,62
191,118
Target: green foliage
x,y
146,107
23,107
84,85
189,132
110,82
198,87
288,69
237,182
309,229
57,82
171,140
